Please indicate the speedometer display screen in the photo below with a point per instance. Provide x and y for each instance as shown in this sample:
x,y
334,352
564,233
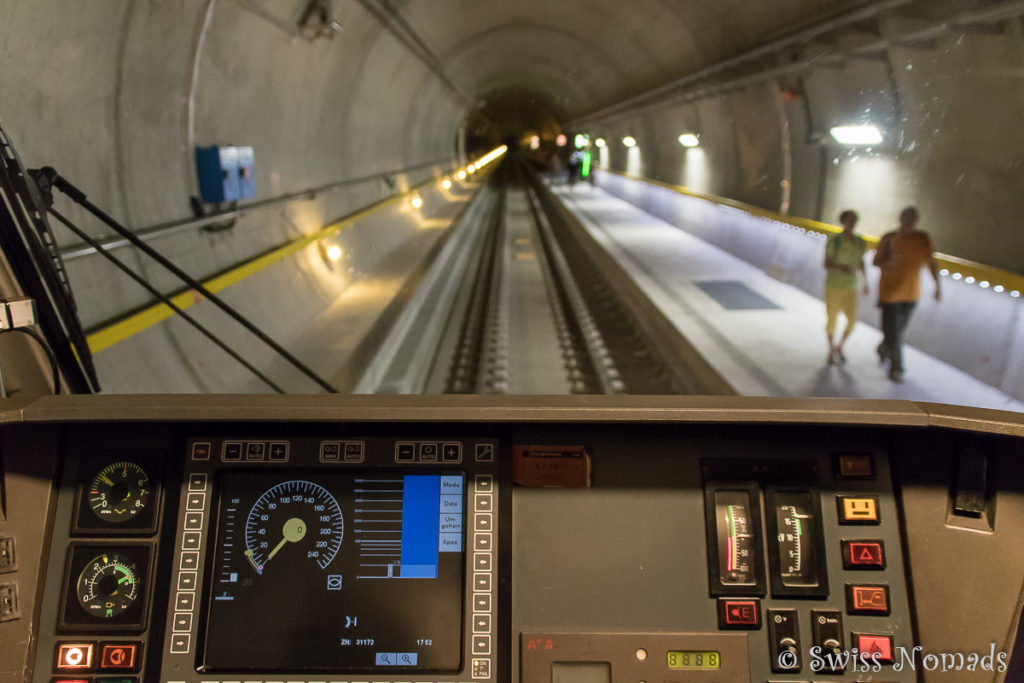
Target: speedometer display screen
x,y
337,572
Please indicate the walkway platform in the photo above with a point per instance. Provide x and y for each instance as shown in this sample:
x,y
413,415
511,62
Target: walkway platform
x,y
765,337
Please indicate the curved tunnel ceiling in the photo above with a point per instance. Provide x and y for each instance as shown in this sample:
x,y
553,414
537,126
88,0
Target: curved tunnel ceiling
x,y
583,56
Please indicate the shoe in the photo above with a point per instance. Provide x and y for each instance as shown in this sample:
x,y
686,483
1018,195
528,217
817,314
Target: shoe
x,y
831,357
883,355
840,357
896,376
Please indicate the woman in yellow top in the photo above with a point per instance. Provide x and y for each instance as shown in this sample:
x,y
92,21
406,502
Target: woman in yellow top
x,y
844,258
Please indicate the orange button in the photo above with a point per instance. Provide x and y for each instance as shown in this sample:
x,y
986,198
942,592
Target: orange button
x,y
74,656
857,509
867,599
873,648
120,656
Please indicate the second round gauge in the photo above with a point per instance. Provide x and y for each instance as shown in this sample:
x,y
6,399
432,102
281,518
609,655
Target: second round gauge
x,y
296,518
108,585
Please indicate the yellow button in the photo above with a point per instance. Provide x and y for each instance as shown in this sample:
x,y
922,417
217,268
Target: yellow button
x,y
858,510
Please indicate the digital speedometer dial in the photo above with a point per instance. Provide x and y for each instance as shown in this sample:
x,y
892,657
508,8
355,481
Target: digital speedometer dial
x,y
297,518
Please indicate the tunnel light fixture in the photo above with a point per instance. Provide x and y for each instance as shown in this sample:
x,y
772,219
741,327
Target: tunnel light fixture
x,y
944,272
461,174
999,289
334,253
446,184
491,156
689,140
416,201
581,140
856,135
600,142
969,280
561,140
471,169
534,142
957,276
984,284
1015,294
629,141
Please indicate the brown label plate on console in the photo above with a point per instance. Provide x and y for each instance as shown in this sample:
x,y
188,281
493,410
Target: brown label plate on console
x,y
551,466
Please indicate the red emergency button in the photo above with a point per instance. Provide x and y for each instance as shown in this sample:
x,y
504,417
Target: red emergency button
x,y
863,554
734,613
74,656
873,648
119,656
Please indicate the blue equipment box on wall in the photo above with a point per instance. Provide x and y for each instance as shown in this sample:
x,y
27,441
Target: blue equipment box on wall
x,y
226,174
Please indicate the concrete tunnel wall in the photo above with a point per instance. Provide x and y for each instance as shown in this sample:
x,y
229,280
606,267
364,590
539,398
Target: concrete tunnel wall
x,y
954,146
116,102
115,94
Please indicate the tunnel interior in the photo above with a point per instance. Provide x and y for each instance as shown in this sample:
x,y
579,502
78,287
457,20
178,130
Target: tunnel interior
x,y
350,107
514,117
546,290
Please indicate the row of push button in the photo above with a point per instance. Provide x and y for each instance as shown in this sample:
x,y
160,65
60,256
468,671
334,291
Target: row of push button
x,y
79,657
342,451
827,634
745,613
252,451
483,565
188,564
440,451
428,451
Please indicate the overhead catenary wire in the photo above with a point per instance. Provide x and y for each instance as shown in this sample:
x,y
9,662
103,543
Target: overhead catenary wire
x,y
82,235
80,198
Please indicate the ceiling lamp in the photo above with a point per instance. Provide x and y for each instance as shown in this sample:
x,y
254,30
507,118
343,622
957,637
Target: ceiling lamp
x,y
689,140
857,135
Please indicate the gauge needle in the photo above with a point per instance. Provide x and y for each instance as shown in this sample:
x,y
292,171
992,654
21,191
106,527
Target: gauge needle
x,y
294,531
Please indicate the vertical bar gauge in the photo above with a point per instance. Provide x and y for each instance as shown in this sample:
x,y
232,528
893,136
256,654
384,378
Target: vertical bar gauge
x,y
796,553
735,547
734,531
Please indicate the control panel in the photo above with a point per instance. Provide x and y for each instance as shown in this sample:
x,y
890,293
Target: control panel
x,y
787,565
374,556
449,551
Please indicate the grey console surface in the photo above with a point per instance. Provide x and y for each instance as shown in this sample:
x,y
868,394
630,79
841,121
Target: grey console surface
x,y
391,541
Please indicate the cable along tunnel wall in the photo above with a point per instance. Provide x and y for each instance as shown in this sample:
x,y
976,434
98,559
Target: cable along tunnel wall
x,y
317,307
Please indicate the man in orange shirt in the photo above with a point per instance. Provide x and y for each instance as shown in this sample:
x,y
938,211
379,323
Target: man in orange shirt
x,y
900,255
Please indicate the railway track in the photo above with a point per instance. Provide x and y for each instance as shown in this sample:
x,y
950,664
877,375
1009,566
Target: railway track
x,y
520,300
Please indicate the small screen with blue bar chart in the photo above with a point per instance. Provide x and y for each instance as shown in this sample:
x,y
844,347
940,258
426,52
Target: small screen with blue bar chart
x,y
337,572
